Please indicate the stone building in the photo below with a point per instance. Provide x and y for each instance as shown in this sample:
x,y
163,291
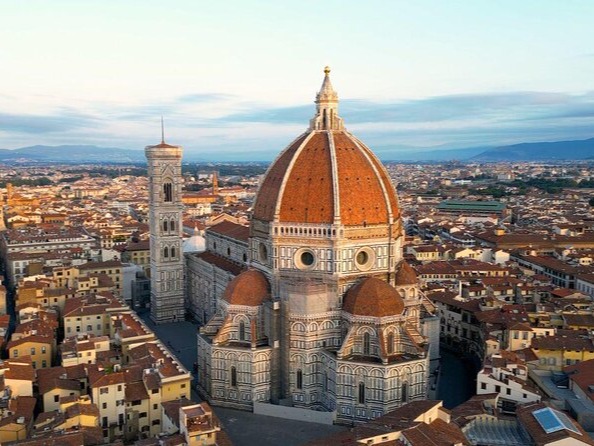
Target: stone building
x,y
321,312
165,217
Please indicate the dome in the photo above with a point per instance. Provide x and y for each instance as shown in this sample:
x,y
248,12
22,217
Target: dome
x,y
406,275
327,176
196,243
373,297
250,288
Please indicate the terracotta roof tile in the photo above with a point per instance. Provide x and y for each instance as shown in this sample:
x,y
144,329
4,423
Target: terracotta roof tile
x,y
265,204
250,288
406,275
373,297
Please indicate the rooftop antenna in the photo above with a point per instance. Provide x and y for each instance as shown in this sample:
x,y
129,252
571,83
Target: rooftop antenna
x,y
162,131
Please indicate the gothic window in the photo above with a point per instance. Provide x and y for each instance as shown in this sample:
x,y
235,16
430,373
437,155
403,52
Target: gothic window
x,y
173,251
167,192
172,225
391,343
242,331
404,392
361,398
165,228
299,379
166,252
366,344
233,377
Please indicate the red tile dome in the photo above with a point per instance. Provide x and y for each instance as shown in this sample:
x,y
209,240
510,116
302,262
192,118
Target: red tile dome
x,y
406,275
251,288
373,297
327,176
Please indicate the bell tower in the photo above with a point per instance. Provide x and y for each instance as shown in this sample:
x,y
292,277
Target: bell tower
x,y
165,223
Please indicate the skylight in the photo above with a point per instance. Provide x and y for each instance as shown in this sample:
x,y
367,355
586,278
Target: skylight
x,y
552,420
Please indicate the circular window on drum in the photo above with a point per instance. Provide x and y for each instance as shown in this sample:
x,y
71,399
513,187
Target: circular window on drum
x,y
364,259
305,259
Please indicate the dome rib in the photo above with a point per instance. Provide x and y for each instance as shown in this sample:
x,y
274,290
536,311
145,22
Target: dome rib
x,y
377,169
335,191
327,176
270,189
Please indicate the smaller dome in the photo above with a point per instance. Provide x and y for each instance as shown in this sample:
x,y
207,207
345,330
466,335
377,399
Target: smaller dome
x,y
373,297
196,243
250,288
406,275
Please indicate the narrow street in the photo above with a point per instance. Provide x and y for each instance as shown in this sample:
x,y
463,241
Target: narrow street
x,y
456,380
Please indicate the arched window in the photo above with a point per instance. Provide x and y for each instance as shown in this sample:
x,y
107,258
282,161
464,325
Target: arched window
x,y
361,398
173,251
167,192
165,228
242,331
366,344
391,343
299,379
233,377
166,252
172,225
404,392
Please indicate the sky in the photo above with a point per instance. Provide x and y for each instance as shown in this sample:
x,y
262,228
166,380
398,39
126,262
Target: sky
x,y
241,76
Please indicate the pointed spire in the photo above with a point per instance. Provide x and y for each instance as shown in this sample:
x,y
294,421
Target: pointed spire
x,y
327,90
326,117
162,131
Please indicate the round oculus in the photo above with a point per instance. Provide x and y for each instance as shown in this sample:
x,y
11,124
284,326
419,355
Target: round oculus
x,y
364,259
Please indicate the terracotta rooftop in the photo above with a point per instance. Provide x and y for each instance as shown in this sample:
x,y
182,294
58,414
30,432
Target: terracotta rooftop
x,y
530,423
301,184
231,230
373,297
406,275
250,288
220,262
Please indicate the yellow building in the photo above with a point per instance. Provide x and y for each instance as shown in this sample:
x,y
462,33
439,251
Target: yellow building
x,y
521,335
90,314
19,375
39,348
112,268
108,391
565,348
16,420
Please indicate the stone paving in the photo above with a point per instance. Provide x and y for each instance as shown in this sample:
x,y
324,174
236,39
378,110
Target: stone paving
x,y
244,428
248,429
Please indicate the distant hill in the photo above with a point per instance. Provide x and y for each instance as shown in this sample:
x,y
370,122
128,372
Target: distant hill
x,y
77,154
540,151
428,155
72,154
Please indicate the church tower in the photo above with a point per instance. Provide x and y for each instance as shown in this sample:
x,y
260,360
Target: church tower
x,y
165,223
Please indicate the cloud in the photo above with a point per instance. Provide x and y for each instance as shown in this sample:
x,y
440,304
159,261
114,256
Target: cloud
x,y
61,121
203,98
512,105
219,122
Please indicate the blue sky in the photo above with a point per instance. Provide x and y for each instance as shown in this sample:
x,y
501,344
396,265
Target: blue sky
x,y
241,76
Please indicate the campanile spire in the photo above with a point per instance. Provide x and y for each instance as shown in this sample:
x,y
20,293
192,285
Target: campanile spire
x,y
326,117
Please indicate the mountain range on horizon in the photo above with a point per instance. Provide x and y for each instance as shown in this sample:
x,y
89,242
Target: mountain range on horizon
x,y
537,151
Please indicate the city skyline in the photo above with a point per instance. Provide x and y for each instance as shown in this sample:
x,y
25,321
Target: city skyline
x,y
231,79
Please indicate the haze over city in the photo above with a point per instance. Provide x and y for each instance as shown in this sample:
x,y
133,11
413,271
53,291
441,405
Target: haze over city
x,y
238,76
